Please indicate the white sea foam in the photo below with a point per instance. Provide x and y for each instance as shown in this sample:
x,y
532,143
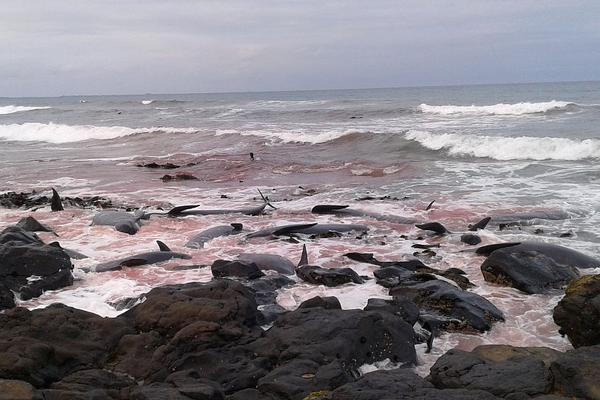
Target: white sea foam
x,y
59,133
14,109
293,136
146,102
497,109
508,148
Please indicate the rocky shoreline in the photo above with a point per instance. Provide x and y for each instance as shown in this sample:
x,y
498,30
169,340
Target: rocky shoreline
x,y
230,339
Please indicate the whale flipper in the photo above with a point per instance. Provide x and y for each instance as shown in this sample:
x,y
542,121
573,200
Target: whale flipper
x,y
162,246
304,257
55,203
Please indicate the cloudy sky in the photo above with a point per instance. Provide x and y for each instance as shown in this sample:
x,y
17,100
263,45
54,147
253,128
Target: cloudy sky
x,y
62,47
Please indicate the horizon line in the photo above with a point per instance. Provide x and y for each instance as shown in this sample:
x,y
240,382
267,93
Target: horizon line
x,y
301,90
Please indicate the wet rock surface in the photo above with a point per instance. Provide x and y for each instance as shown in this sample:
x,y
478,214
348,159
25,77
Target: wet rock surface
x,y
28,266
535,267
578,313
33,199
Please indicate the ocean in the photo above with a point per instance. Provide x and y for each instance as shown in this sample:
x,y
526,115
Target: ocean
x,y
487,150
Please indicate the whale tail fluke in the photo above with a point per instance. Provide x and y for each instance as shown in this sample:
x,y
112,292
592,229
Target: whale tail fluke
x,y
55,203
162,246
266,200
180,209
303,257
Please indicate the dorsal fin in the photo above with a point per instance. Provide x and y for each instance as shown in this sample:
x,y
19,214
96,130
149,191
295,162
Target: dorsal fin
x,y
327,208
481,224
303,257
162,246
237,226
178,210
55,203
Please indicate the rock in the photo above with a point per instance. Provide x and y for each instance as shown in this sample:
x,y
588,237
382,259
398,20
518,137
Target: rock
x,y
180,176
29,267
402,307
578,313
43,346
31,224
29,200
318,349
154,165
474,312
95,383
15,390
534,267
328,303
401,384
471,239
499,369
576,373
237,268
327,276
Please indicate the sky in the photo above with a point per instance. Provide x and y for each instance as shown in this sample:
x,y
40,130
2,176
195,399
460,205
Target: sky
x,y
64,47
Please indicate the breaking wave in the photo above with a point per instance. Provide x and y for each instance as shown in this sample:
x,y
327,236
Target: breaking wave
x,y
59,133
498,109
508,148
14,109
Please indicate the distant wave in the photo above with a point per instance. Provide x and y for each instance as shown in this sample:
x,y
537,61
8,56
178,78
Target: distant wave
x,y
166,102
59,133
508,148
498,109
294,136
14,109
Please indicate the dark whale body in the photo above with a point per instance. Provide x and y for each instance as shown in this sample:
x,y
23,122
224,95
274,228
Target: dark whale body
x,y
308,229
197,242
137,260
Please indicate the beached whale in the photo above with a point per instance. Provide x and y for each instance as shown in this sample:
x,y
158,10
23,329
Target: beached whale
x,y
181,211
137,260
197,241
272,262
308,229
122,221
343,211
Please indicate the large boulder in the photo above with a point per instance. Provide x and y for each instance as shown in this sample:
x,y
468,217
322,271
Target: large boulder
x,y
521,372
578,313
470,311
29,267
42,346
534,267
327,276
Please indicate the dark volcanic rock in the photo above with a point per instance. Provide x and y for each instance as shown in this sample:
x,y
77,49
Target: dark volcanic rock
x,y
154,165
29,267
535,267
474,311
578,313
329,303
401,384
471,239
402,307
42,346
180,176
521,372
29,200
31,224
236,268
327,276
499,369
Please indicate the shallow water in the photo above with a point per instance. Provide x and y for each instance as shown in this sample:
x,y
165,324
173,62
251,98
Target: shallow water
x,y
476,151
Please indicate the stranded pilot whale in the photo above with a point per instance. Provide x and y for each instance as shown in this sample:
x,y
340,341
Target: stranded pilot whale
x,y
190,209
122,221
197,242
307,229
343,210
136,260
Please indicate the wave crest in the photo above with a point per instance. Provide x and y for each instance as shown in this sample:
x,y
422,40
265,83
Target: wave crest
x,y
14,109
498,109
508,148
59,133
